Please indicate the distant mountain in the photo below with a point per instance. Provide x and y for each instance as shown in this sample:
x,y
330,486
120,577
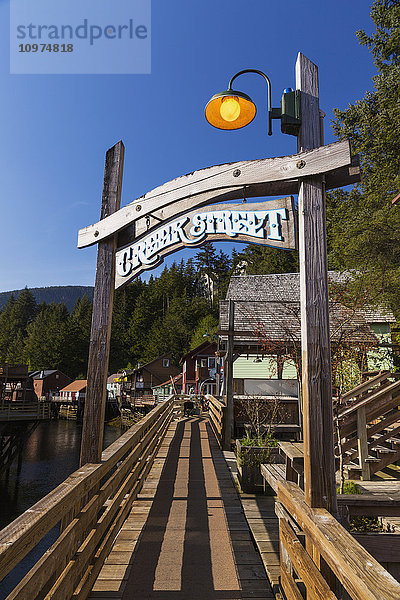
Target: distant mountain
x,y
68,294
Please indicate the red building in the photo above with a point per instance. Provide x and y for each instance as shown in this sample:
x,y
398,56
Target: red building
x,y
199,370
49,382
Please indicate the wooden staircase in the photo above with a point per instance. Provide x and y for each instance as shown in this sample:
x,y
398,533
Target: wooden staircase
x,y
368,418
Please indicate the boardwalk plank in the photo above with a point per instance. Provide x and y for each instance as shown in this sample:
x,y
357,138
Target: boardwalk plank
x,y
186,535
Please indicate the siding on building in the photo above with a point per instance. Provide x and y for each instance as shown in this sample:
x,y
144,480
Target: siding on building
x,y
246,368
381,359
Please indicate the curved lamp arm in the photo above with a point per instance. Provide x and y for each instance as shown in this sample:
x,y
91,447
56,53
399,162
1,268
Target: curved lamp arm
x,y
268,91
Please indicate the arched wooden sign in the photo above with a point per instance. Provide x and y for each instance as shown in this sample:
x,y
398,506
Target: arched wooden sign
x,y
227,182
268,223
179,213
187,211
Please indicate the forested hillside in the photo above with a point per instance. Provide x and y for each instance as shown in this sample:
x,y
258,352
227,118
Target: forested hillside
x,y
167,313
67,294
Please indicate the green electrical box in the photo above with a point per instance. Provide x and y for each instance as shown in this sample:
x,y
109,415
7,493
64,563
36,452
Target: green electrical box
x,y
291,112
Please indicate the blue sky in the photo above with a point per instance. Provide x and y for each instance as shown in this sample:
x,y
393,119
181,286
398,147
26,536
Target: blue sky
x,y
55,129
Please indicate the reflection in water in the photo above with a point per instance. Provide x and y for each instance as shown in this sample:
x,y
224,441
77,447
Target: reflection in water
x,y
50,455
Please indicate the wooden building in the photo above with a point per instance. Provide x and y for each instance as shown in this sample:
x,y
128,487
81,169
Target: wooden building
x,y
15,384
74,391
140,381
199,368
267,342
114,386
48,383
71,400
168,388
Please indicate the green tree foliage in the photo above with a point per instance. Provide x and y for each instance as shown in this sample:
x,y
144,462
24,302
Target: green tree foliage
x,y
363,225
206,330
14,320
75,335
262,260
165,314
213,270
44,344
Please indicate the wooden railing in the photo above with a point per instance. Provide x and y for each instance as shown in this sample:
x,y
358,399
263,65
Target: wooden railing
x,y
13,371
25,411
369,424
318,554
90,507
216,409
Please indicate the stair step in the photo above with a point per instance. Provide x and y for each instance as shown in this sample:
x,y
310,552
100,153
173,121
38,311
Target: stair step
x,y
372,459
385,450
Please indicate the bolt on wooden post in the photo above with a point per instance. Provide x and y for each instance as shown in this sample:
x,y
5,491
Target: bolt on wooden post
x,y
319,466
99,349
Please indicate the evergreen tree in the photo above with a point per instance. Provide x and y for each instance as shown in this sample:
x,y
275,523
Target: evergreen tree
x,y
14,321
262,260
363,226
75,336
206,330
44,345
124,306
214,270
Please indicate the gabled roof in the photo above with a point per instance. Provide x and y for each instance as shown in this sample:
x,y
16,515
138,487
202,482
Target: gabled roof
x,y
198,350
76,386
148,365
43,373
112,378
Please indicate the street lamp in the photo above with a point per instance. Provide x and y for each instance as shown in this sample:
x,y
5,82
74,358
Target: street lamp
x,y
232,109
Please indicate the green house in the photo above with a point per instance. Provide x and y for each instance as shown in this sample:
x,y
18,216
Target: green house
x,y
267,341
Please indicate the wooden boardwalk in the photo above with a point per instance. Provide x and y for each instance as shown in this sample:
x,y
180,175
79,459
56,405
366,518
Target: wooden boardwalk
x,y
186,536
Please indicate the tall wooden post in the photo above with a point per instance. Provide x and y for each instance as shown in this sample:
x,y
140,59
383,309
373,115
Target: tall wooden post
x,y
99,350
228,377
319,466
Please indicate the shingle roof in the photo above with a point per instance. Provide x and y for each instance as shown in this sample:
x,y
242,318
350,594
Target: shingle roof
x,y
75,386
267,307
285,287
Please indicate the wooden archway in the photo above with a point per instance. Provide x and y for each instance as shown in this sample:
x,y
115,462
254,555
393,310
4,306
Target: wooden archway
x,y
308,173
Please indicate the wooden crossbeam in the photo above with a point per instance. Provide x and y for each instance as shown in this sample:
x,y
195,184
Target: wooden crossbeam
x,y
269,176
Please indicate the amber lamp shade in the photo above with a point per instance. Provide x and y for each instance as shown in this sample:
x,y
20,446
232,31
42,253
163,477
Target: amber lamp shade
x,y
230,110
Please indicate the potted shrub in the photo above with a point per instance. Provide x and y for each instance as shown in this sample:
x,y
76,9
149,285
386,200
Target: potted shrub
x,y
258,446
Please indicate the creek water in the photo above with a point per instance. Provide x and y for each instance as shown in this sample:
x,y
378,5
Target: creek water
x,y
50,455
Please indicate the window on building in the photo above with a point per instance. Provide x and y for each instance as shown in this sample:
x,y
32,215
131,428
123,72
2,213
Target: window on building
x,y
203,362
211,362
165,362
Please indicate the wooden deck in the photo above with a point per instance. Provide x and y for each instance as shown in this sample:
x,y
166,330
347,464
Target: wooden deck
x,y
260,514
186,535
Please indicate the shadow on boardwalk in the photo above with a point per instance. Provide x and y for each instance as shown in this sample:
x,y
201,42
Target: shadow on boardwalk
x,y
186,536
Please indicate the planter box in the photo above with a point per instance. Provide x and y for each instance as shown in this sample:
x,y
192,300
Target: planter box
x,y
249,459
